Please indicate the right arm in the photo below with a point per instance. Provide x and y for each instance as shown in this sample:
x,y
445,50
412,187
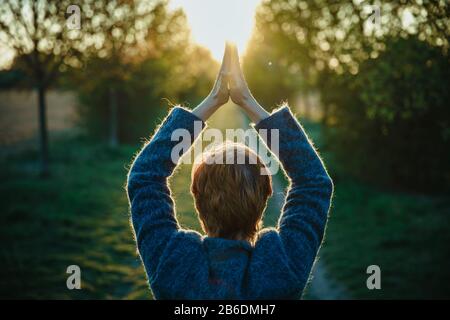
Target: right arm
x,y
302,222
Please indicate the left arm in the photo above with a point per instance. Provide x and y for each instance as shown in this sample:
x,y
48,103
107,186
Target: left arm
x,y
152,207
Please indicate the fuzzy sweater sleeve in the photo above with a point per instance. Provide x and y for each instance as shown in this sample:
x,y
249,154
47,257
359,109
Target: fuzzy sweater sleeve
x,y
305,211
152,207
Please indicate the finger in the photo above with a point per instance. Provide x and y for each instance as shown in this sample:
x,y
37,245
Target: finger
x,y
226,60
222,77
219,79
236,66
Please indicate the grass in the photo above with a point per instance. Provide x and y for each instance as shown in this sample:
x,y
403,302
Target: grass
x,y
406,235
80,216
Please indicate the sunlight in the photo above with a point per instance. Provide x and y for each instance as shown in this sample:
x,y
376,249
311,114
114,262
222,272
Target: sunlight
x,y
214,21
6,57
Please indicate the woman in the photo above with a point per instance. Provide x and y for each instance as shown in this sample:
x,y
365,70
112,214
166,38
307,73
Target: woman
x,y
236,259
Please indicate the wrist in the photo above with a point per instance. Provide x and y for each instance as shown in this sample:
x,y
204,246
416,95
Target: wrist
x,y
250,104
254,110
206,108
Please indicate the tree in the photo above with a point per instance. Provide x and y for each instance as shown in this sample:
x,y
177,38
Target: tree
x,y
393,117
338,35
298,41
354,58
141,75
47,42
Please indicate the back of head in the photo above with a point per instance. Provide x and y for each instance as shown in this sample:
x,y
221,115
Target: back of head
x,y
231,186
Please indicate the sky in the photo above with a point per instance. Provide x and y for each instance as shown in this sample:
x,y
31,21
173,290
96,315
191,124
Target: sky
x,y
213,22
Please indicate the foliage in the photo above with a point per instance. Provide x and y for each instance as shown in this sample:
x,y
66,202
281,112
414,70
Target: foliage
x,y
382,83
141,76
45,45
391,121
338,35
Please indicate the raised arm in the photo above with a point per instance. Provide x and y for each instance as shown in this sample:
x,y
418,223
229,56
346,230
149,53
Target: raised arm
x,y
302,222
152,207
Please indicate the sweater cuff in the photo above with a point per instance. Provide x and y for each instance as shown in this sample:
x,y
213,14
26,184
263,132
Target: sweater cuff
x,y
181,118
276,120
185,116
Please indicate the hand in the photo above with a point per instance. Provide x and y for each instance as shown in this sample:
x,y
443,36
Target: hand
x,y
240,93
219,94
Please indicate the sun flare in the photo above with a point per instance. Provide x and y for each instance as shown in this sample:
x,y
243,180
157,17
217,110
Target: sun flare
x,y
213,22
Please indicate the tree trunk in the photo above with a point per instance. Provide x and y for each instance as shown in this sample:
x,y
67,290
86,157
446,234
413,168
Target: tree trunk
x,y
43,132
113,139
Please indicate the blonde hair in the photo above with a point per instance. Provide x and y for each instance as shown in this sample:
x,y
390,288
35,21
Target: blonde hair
x,y
230,197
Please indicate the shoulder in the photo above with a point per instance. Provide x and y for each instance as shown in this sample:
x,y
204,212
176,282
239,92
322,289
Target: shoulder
x,y
182,267
184,246
266,235
271,275
269,242
183,240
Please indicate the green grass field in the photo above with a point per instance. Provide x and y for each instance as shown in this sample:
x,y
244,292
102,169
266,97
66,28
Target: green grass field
x,y
80,216
406,235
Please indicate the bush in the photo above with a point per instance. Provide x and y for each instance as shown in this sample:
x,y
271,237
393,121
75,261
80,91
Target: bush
x,y
391,121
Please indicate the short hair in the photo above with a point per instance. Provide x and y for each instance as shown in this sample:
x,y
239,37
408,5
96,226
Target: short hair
x,y
230,197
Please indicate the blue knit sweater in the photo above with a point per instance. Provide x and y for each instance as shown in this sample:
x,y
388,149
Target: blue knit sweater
x,y
183,264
